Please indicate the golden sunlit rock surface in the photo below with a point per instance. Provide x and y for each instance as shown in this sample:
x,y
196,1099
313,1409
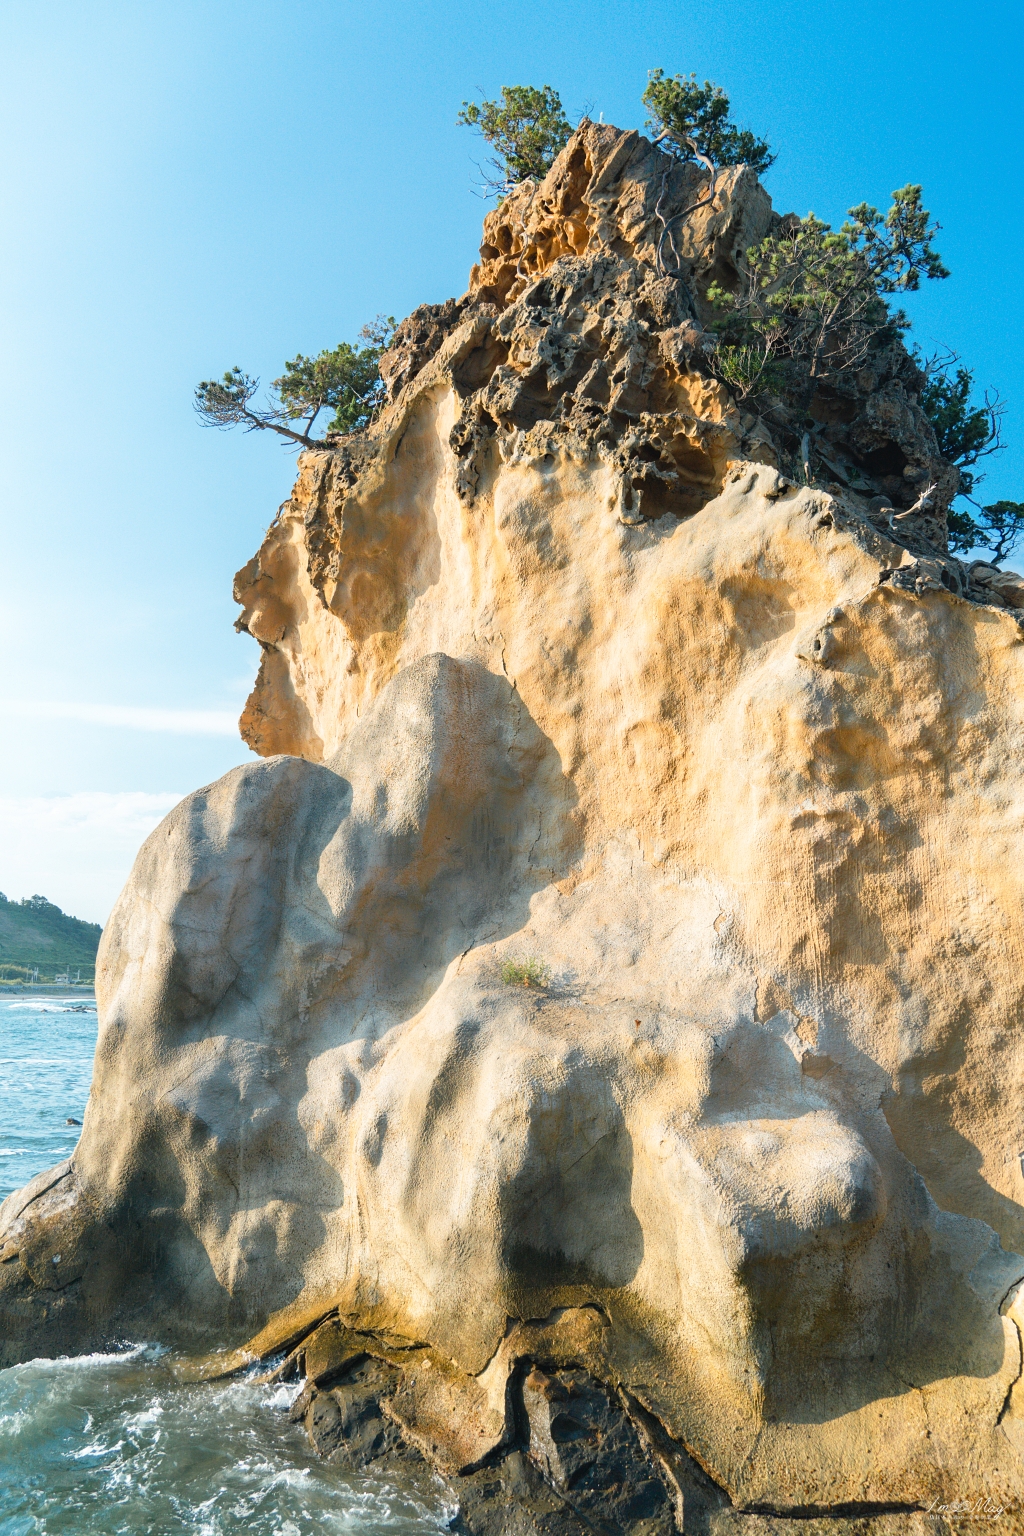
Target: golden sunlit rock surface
x,y
564,664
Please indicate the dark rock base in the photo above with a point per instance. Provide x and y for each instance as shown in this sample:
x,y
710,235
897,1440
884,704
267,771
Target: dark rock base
x,y
580,1459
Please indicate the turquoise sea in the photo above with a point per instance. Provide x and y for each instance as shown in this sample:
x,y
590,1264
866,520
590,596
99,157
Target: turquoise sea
x,y
111,1443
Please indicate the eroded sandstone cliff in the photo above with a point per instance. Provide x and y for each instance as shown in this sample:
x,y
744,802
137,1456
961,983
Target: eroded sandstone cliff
x,y
565,661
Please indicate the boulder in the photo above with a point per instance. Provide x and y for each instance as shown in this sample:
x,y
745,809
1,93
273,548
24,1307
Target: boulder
x,y
596,1016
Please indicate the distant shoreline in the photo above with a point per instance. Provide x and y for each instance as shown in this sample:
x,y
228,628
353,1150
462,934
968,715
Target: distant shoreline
x,y
28,988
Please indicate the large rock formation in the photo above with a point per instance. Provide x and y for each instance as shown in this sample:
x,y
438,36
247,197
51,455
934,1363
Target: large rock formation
x,y
564,663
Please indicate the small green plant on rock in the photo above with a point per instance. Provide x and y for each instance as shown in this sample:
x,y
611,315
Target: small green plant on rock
x,y
967,431
748,369
998,528
526,129
687,116
345,380
528,972
811,302
964,431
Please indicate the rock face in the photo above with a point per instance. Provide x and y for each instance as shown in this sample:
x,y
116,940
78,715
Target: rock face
x,y
562,665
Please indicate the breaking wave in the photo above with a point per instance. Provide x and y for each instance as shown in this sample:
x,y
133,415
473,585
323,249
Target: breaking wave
x,y
114,1443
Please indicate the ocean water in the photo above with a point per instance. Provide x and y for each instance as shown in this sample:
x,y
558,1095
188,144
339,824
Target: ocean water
x,y
46,1048
114,1443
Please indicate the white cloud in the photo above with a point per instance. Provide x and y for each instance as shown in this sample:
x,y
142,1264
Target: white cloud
x,y
181,722
76,850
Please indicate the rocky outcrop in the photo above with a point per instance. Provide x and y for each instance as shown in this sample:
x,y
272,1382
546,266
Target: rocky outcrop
x,y
566,1455
567,670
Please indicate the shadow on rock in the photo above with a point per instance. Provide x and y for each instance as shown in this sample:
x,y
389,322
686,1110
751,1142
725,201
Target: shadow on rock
x,y
289,910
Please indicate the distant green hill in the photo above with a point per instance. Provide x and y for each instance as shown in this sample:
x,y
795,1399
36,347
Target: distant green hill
x,y
34,932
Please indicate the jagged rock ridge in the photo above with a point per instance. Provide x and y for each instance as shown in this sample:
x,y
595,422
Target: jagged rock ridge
x,y
588,334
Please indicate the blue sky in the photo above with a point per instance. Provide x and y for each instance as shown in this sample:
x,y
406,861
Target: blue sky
x,y
194,185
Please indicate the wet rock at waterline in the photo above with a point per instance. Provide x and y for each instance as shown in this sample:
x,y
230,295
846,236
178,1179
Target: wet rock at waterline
x,y
560,1448
567,674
